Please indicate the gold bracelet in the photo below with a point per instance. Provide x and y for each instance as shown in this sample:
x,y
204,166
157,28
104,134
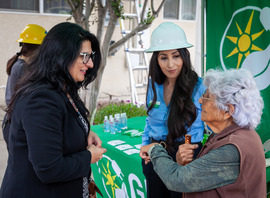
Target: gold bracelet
x,y
163,144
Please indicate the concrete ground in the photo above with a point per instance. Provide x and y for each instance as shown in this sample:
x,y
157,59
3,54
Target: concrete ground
x,y
3,150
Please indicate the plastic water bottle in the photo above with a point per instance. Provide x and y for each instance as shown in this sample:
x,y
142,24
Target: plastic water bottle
x,y
117,122
124,120
112,125
106,124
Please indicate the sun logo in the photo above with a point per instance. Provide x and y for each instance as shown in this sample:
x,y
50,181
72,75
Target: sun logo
x,y
244,42
247,35
110,178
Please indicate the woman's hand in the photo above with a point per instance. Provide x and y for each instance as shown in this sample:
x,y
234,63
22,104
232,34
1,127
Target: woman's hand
x,y
143,152
185,153
93,139
96,153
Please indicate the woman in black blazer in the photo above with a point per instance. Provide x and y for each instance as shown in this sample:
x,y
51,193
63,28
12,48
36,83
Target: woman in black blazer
x,y
51,148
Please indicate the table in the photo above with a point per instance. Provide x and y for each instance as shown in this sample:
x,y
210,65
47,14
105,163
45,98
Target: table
x,y
119,173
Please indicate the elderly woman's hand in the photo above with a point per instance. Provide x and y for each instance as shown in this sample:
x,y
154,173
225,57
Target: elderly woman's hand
x,y
185,153
143,152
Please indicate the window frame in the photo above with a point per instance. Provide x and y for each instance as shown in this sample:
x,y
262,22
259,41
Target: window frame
x,y
180,13
38,12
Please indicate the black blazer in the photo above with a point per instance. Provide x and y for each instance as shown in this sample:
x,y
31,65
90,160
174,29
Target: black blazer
x,y
47,148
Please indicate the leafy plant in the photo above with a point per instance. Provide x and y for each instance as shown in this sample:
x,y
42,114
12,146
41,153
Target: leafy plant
x,y
116,106
150,18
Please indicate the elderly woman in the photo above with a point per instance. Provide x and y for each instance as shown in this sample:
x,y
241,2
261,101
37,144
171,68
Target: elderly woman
x,y
231,163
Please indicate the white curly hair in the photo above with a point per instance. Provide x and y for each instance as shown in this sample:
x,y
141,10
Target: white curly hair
x,y
238,88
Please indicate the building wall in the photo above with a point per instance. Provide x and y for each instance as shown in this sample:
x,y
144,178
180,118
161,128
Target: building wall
x,y
115,81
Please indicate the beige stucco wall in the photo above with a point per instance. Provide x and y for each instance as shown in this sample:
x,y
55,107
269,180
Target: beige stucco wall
x,y
115,81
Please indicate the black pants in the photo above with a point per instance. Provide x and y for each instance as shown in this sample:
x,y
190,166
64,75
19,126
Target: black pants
x,y
155,187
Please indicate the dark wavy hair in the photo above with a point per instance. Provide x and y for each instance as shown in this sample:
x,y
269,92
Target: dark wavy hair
x,y
51,62
27,50
182,111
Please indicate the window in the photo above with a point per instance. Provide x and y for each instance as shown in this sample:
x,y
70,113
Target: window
x,y
49,6
56,6
180,9
188,10
171,9
20,5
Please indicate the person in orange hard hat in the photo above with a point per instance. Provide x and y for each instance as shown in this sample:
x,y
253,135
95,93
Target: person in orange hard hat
x,y
30,39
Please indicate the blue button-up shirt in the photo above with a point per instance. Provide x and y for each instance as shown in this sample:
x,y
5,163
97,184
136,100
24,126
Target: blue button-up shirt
x,y
156,123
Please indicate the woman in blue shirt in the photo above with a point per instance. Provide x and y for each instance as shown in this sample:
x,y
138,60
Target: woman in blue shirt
x,y
173,92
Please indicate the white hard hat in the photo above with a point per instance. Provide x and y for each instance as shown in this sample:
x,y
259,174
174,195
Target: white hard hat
x,y
168,36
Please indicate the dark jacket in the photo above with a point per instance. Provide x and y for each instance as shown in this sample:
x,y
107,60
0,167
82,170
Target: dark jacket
x,y
47,153
17,72
251,181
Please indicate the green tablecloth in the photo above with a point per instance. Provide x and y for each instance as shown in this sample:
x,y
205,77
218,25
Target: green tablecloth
x,y
119,172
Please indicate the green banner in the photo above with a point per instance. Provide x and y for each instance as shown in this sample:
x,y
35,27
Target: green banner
x,y
238,36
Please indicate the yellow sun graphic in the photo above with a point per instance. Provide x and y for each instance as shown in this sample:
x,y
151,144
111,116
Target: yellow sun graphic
x,y
244,41
110,178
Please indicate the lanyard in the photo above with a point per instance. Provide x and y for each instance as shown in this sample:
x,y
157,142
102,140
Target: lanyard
x,y
79,114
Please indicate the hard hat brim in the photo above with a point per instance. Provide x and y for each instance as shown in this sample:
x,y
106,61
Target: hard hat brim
x,y
168,47
37,42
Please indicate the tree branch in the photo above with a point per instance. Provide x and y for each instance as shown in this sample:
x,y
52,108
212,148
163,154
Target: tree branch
x,y
152,6
92,5
76,9
99,3
101,19
71,4
139,28
156,12
89,7
160,6
121,41
143,10
87,14
110,29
